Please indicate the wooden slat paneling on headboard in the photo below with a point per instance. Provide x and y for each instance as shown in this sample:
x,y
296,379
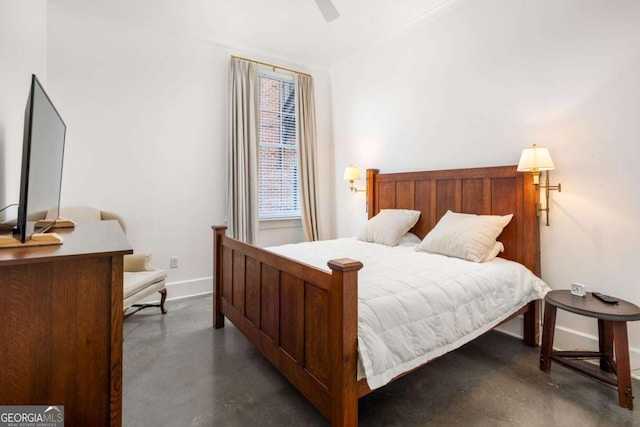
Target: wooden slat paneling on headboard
x,y
405,194
425,203
497,190
473,193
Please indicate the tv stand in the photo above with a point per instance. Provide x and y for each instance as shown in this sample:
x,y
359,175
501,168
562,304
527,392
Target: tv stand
x,y
58,223
61,324
37,239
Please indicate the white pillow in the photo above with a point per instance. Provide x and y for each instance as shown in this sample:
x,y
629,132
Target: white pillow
x,y
388,227
497,248
467,236
409,239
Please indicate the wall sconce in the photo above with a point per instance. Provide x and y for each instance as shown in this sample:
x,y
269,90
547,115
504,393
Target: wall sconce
x,y
351,174
535,160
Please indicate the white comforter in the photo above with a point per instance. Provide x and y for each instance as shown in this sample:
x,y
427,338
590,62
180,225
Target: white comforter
x,y
414,306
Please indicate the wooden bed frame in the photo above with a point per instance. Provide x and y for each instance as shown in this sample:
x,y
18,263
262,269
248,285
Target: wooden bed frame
x,y
305,320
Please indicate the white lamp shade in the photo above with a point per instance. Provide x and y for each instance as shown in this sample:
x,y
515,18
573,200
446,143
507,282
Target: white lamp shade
x,y
351,173
535,158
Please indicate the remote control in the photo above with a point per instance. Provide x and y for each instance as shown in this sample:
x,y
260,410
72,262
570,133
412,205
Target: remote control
x,y
605,298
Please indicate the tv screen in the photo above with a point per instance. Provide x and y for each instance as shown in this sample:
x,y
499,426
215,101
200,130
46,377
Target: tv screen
x,y
42,155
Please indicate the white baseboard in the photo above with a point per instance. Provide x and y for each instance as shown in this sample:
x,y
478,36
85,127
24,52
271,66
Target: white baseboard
x,y
513,327
184,289
568,339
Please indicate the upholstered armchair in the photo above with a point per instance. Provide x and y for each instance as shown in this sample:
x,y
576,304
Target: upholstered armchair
x,y
140,279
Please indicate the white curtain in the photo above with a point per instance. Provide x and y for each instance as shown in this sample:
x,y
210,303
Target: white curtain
x,y
242,190
307,162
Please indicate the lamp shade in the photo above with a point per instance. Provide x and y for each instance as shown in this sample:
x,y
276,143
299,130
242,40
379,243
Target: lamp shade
x,y
351,173
535,158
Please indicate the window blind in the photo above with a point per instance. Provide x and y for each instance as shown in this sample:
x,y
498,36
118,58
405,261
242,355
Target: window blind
x,y
278,160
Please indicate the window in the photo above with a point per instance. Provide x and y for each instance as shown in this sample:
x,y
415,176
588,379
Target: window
x,y
278,159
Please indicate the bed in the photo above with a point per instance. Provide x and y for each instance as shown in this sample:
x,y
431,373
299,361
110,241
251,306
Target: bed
x,y
304,319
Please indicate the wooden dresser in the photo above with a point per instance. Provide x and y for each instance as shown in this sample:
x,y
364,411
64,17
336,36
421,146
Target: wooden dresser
x,y
61,324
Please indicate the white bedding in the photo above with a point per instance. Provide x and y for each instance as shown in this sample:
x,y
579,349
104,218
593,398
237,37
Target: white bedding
x,y
415,306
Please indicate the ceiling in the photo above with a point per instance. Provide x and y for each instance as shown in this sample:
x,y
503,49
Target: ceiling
x,y
290,30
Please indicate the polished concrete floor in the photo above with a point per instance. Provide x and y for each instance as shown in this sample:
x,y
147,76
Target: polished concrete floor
x,y
179,371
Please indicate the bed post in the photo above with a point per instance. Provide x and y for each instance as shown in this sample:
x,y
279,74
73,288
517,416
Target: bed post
x,y
532,324
343,341
219,232
531,253
371,192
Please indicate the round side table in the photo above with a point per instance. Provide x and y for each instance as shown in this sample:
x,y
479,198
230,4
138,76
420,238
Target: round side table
x,y
612,334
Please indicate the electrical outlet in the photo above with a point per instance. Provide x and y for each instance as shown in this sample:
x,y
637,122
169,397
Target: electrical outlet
x,y
173,262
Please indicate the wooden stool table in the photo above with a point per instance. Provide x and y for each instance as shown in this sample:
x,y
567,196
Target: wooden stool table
x,y
612,334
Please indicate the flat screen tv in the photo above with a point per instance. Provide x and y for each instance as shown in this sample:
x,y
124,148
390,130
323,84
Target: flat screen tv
x,y
42,156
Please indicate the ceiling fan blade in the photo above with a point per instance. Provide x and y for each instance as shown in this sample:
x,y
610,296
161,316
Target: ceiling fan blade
x,y
328,10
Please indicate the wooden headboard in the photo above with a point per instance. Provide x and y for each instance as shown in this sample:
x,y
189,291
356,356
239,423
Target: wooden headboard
x,y
487,191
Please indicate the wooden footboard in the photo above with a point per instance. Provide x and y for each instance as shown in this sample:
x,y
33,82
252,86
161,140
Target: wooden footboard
x,y
304,320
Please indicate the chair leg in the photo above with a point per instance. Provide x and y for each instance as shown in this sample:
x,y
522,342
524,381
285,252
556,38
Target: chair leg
x,y
138,307
163,298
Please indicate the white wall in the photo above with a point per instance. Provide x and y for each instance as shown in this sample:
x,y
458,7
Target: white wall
x,y
476,86
145,109
23,51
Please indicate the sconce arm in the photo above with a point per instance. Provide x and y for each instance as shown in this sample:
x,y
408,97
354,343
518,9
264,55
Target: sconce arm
x,y
547,187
